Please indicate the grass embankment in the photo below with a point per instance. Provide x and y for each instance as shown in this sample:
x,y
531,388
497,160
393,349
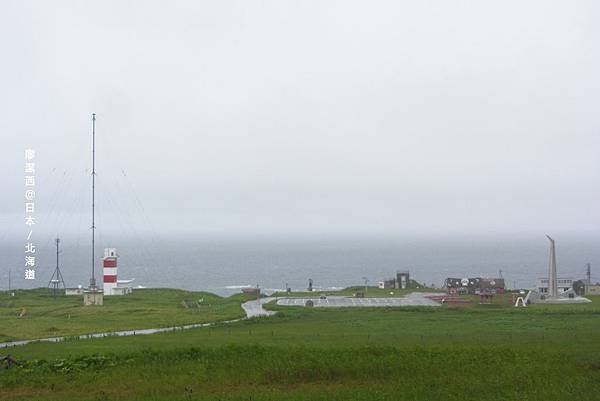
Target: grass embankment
x,y
36,313
477,353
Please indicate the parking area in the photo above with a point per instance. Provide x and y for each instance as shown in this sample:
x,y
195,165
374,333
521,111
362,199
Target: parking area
x,y
414,299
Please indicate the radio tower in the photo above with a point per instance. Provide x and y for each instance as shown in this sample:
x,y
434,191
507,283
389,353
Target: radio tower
x,y
93,296
93,277
57,279
588,274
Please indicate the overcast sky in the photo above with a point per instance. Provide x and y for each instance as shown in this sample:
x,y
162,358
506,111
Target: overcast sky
x,y
282,117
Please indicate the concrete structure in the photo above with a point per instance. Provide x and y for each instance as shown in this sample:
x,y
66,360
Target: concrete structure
x,y
413,299
520,302
387,284
402,279
554,290
254,308
93,297
122,288
553,281
562,284
74,291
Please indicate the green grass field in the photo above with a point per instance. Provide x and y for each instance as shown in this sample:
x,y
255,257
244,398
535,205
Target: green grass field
x,y
481,352
36,313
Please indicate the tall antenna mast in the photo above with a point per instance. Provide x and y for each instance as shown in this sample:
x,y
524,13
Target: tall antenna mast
x,y
588,273
92,296
93,278
57,279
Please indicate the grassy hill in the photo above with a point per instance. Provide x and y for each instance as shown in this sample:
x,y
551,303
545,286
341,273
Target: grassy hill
x,y
476,353
37,314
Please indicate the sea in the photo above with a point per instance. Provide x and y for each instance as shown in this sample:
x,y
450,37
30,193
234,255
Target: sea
x,y
225,265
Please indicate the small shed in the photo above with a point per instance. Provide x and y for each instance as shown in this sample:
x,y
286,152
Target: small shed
x,y
74,291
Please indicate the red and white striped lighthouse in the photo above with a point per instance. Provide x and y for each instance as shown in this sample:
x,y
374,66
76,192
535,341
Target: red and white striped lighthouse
x,y
110,270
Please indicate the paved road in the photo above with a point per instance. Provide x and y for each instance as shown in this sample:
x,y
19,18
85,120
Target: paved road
x,y
255,309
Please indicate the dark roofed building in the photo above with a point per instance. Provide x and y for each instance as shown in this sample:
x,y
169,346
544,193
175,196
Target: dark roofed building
x,y
475,285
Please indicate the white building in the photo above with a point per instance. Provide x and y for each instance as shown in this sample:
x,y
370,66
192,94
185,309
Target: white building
x,y
563,284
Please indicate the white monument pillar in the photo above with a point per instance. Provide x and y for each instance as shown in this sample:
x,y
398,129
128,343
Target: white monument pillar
x,y
552,281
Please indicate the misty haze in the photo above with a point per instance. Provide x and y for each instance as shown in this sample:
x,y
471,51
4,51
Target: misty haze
x,y
361,180
313,120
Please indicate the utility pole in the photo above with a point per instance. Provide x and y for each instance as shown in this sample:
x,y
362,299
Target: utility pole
x,y
9,273
366,281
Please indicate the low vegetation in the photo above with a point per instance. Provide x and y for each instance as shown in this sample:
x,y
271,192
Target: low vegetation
x,y
253,372
31,314
481,352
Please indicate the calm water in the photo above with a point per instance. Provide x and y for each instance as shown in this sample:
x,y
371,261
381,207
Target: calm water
x,y
222,266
